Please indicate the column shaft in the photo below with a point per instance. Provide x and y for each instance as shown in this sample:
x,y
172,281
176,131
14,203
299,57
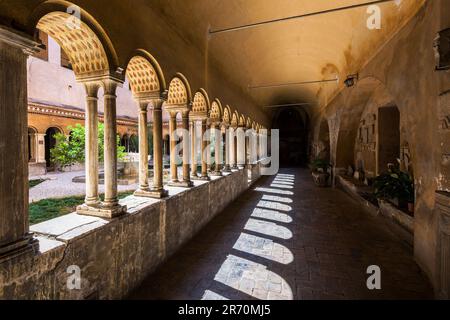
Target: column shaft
x,y
204,151
14,221
227,150
193,131
91,136
143,147
157,146
110,165
186,147
173,147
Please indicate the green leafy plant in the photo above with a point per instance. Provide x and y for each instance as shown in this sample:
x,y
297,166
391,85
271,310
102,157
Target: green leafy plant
x,y
394,184
319,165
70,150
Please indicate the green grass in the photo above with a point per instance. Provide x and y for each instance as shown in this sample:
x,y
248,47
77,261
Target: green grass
x,y
34,183
47,209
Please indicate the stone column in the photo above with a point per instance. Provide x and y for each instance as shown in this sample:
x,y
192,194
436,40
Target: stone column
x,y
186,154
143,148
204,152
15,238
173,146
92,199
217,139
40,156
241,152
208,152
227,167
157,190
33,147
111,201
193,130
233,153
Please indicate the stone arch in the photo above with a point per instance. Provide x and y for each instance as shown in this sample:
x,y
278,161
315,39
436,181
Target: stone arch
x,y
83,39
226,119
248,123
145,74
242,121
50,143
216,111
201,104
179,91
235,119
355,104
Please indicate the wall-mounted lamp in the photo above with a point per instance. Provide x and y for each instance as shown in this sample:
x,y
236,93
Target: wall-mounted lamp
x,y
351,80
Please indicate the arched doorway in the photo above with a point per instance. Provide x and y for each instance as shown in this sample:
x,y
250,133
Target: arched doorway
x,y
50,143
125,142
133,144
292,124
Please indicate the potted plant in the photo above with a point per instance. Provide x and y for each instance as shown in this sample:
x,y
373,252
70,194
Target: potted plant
x,y
396,186
319,170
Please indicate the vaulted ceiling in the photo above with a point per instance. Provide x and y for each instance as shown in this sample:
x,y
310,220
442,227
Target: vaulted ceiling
x,y
318,47
325,46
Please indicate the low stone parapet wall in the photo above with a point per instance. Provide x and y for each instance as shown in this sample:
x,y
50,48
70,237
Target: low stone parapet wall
x,y
112,257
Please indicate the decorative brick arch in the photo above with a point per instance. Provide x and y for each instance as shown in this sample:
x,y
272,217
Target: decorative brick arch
x,y
248,123
226,119
235,119
201,104
145,75
241,121
216,111
87,45
179,91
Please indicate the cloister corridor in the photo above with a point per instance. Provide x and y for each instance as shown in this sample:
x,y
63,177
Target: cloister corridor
x,y
285,238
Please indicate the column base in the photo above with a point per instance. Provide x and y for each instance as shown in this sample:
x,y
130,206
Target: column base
x,y
201,178
102,211
182,184
216,173
157,194
24,246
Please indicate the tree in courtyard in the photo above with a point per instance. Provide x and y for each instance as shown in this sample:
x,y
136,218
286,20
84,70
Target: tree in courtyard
x,y
70,150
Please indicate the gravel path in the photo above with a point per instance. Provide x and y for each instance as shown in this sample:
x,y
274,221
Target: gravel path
x,y
60,185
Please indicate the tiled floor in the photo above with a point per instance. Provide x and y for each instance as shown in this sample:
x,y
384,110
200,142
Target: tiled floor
x,y
288,239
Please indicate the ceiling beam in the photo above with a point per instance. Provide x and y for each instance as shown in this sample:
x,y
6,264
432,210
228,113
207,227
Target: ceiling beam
x,y
262,23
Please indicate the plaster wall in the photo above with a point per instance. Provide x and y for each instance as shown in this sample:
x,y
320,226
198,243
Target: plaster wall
x,y
404,70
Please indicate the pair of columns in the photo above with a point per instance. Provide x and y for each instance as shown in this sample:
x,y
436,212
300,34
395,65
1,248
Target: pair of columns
x,y
204,150
157,190
110,207
186,179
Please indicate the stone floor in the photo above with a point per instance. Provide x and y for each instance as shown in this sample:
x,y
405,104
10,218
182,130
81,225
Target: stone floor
x,y
288,239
